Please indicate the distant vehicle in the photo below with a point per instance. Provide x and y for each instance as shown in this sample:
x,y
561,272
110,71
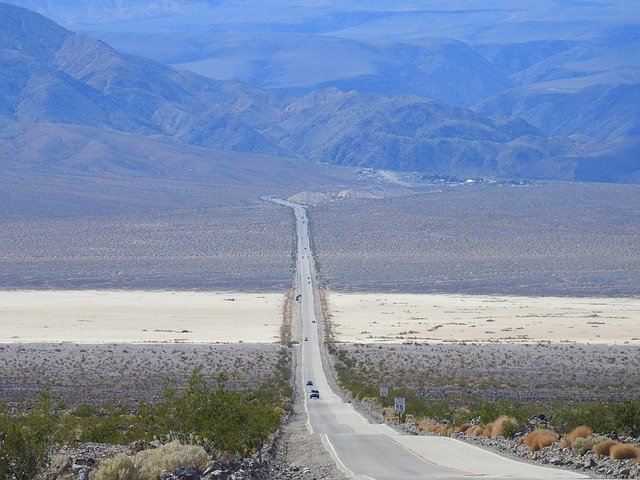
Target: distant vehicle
x,y
313,321
305,339
309,383
314,394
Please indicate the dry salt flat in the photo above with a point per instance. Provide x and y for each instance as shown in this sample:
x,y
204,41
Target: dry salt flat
x,y
397,318
90,316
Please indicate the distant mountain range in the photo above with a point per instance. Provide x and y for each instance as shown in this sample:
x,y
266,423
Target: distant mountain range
x,y
434,105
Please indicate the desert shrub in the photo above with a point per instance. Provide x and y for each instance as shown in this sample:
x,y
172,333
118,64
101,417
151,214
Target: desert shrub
x,y
623,418
582,445
116,428
26,440
440,429
496,428
210,416
489,411
463,428
462,416
85,410
510,429
604,447
151,463
120,467
389,413
539,438
622,451
475,431
424,425
581,431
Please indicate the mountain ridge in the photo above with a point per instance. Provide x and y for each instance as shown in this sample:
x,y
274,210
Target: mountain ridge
x,y
77,80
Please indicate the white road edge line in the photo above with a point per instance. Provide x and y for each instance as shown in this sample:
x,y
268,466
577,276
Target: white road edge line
x,y
341,466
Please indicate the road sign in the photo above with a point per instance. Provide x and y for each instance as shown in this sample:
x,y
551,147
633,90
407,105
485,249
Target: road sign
x,y
384,391
399,404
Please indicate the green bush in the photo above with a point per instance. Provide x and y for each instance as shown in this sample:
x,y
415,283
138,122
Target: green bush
x,y
210,416
582,445
509,429
202,414
26,441
603,417
85,410
116,428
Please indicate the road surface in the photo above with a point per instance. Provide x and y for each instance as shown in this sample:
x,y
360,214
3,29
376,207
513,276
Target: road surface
x,y
364,450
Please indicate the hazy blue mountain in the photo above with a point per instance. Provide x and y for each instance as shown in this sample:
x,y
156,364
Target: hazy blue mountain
x,y
516,57
411,133
441,69
382,115
52,75
285,43
69,169
601,113
611,58
438,68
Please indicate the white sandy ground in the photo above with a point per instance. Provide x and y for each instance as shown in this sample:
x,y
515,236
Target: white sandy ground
x,y
398,318
139,317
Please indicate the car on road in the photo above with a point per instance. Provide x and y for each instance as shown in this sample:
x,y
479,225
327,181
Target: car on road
x,y
309,383
305,339
314,394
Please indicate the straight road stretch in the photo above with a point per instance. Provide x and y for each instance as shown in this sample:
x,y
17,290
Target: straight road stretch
x,y
365,450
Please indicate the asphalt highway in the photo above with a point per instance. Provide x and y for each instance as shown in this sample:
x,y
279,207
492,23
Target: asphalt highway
x,y
375,451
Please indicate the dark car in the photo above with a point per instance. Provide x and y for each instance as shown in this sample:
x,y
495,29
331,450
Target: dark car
x,y
309,383
314,394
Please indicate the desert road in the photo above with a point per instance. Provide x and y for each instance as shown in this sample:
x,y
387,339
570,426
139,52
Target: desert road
x,y
364,450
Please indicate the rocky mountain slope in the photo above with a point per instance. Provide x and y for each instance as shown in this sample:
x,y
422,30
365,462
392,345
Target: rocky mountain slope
x,y
51,75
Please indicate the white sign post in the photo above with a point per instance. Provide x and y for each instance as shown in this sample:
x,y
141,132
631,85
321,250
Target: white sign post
x,y
384,391
400,404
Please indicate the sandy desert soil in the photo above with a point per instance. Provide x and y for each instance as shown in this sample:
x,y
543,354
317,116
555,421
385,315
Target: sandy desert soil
x,y
122,373
524,372
550,239
243,247
139,317
398,318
